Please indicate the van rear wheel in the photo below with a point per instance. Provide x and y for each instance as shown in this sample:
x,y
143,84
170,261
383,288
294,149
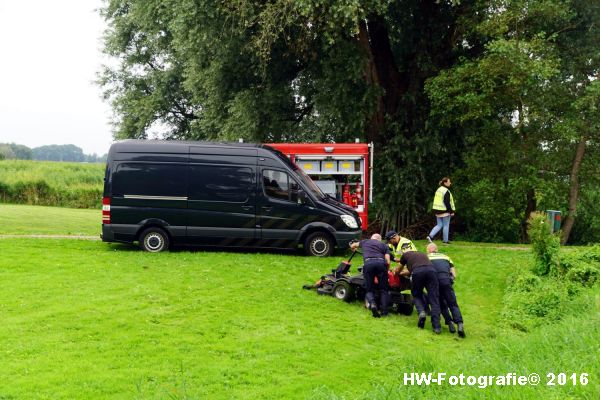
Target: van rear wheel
x,y
154,240
318,244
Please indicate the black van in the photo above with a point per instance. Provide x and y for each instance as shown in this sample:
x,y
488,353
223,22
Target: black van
x,y
202,193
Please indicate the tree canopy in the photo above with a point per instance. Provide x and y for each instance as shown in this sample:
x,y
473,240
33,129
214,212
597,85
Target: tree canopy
x,y
499,93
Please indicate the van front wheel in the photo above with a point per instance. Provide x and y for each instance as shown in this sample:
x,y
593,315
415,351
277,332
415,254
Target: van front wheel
x,y
318,244
154,240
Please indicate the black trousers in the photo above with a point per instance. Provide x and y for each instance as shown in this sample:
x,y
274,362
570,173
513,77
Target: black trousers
x,y
444,309
448,298
426,277
443,306
372,269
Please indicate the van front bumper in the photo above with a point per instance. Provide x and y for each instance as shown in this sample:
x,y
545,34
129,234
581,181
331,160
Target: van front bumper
x,y
343,239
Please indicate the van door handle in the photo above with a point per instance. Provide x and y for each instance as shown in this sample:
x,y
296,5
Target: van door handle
x,y
267,209
247,208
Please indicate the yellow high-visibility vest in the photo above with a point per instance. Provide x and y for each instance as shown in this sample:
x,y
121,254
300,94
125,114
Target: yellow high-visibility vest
x,y
401,247
440,256
438,200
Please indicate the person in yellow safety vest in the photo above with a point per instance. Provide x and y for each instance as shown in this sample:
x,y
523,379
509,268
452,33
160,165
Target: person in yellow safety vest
x,y
398,244
444,208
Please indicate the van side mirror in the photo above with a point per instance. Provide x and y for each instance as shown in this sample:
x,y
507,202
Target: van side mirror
x,y
302,198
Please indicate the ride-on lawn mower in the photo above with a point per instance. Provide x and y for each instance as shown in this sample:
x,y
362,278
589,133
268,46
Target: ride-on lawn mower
x,y
343,286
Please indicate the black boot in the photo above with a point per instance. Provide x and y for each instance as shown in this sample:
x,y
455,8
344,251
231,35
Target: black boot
x,y
451,327
422,318
374,311
461,330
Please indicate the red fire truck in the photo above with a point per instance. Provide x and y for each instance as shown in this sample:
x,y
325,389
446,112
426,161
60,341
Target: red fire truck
x,y
341,170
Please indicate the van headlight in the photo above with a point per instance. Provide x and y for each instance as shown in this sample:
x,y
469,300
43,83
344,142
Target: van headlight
x,y
349,220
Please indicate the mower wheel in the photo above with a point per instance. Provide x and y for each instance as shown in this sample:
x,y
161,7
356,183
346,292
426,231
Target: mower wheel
x,y
342,290
406,307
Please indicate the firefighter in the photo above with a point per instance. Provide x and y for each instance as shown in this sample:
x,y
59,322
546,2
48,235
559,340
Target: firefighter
x,y
423,275
446,273
398,244
444,208
377,262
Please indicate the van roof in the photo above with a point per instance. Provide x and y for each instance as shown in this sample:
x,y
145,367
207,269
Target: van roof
x,y
177,146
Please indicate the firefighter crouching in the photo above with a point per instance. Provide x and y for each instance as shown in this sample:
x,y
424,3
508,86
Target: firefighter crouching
x,y
423,275
377,261
446,273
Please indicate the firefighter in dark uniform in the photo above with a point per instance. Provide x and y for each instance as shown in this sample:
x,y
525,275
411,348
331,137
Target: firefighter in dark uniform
x,y
377,260
423,276
446,274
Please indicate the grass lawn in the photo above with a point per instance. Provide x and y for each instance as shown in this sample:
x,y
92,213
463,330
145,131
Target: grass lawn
x,y
85,319
18,219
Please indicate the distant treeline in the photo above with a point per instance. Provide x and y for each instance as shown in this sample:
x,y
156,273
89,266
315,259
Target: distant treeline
x,y
53,152
66,184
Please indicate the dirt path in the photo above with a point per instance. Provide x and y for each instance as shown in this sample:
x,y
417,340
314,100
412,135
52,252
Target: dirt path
x,y
490,246
78,237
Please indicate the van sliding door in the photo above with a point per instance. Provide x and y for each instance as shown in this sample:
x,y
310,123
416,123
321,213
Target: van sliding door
x,y
221,205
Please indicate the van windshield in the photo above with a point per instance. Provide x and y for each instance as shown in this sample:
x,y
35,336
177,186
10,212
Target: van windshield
x,y
300,174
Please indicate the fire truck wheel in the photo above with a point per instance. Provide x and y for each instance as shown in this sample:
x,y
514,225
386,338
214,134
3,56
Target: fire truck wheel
x,y
318,244
154,240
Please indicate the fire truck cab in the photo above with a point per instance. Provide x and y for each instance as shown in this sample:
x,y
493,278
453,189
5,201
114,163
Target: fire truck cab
x,y
342,170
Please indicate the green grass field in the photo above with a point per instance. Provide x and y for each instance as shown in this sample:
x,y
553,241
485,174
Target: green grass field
x,y
83,319
27,220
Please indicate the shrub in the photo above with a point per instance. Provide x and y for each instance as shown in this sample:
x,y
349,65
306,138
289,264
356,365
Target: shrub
x,y
37,192
582,267
546,245
531,301
525,282
51,183
584,275
4,191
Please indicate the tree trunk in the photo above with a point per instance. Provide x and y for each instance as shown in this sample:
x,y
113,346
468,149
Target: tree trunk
x,y
381,71
390,79
377,118
573,190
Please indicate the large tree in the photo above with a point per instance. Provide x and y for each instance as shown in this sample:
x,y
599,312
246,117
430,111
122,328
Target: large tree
x,y
285,70
310,70
528,103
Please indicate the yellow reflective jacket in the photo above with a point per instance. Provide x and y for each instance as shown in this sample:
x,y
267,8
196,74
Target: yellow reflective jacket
x,y
438,200
401,247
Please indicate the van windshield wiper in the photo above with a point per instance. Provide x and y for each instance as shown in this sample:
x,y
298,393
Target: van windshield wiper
x,y
328,196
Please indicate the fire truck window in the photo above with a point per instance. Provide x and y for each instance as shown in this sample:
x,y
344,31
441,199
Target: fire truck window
x,y
279,185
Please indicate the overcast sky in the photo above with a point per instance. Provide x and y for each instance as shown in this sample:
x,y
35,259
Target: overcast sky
x,y
49,56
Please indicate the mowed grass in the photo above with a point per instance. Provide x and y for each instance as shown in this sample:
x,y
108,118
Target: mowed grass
x,y
40,220
85,319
